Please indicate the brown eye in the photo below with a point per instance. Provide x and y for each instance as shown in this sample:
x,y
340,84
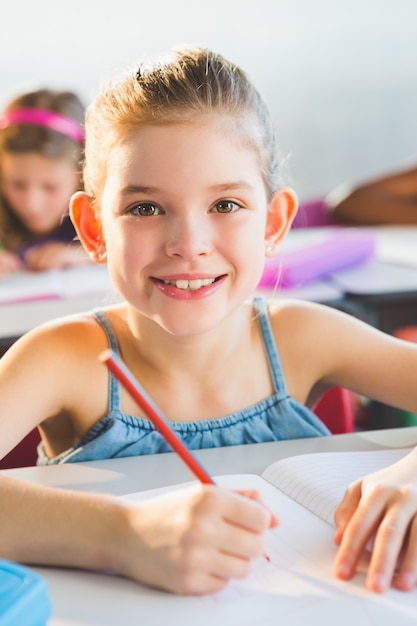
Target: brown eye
x,y
145,210
226,206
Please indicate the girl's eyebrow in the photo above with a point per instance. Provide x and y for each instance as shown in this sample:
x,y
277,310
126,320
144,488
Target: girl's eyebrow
x,y
132,189
230,186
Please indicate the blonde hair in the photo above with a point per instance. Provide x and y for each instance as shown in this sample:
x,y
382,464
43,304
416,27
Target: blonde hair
x,y
186,84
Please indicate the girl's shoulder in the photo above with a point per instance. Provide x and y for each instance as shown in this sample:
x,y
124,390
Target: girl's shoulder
x,y
287,308
304,319
78,335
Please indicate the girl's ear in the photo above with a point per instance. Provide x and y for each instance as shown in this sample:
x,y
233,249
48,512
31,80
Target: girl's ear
x,y
88,227
281,212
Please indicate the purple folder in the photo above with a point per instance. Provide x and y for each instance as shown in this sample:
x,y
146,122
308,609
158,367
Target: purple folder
x,y
340,248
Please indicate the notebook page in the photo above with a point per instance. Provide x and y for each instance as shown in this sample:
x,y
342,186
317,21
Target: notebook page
x,y
28,286
318,481
71,282
296,587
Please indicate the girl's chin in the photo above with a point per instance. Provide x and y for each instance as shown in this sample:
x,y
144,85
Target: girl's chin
x,y
188,324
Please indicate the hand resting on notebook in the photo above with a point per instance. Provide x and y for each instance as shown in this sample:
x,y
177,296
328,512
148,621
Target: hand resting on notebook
x,y
383,505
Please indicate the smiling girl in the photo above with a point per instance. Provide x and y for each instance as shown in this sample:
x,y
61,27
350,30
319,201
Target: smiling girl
x,y
183,202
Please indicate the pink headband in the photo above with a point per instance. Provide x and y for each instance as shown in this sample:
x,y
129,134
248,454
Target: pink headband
x,y
44,117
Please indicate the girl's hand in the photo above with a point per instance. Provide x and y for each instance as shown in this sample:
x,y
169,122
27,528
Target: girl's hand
x,y
9,262
55,255
381,507
193,541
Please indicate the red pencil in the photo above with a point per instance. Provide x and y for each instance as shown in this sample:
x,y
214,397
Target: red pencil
x,y
125,376
133,386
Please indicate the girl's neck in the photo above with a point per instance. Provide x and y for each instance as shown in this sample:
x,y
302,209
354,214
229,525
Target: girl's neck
x,y
197,377
144,341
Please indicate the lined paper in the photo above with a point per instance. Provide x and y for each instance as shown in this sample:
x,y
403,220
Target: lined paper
x,y
318,481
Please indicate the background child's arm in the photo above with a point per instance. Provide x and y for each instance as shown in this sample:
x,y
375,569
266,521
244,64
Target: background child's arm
x,y
54,254
391,199
383,504
9,262
191,541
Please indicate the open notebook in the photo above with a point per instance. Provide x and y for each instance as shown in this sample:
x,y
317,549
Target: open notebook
x,y
54,284
297,586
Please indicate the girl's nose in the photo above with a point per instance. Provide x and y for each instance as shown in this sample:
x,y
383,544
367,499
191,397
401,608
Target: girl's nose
x,y
188,238
32,201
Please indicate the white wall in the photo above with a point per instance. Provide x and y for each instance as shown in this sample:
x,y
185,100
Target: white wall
x,y
340,76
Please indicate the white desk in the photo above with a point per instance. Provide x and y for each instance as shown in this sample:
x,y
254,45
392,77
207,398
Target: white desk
x,y
16,319
376,277
28,300
87,599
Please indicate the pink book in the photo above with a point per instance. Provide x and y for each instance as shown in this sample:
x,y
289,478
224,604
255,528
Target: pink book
x,y
335,250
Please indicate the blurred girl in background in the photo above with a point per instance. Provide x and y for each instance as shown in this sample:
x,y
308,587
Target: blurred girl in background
x,y
41,145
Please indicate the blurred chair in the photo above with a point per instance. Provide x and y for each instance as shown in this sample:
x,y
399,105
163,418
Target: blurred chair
x,y
24,454
409,333
336,409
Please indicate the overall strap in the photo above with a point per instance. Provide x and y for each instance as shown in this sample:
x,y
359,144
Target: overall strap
x,y
114,385
261,308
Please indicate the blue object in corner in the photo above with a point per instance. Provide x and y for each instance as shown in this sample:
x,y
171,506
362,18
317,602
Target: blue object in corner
x,y
24,598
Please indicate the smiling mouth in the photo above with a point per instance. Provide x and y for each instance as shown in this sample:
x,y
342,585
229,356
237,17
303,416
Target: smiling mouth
x,y
191,285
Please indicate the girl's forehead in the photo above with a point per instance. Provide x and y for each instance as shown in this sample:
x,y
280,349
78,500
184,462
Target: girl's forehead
x,y
239,129
182,158
214,133
31,163
181,148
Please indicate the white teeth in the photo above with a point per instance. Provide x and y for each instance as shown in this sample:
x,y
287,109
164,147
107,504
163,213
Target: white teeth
x,y
191,285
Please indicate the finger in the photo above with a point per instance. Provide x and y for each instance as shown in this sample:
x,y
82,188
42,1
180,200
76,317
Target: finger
x,y
389,539
208,565
247,511
231,523
201,581
230,566
240,542
407,574
346,509
356,534
253,494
